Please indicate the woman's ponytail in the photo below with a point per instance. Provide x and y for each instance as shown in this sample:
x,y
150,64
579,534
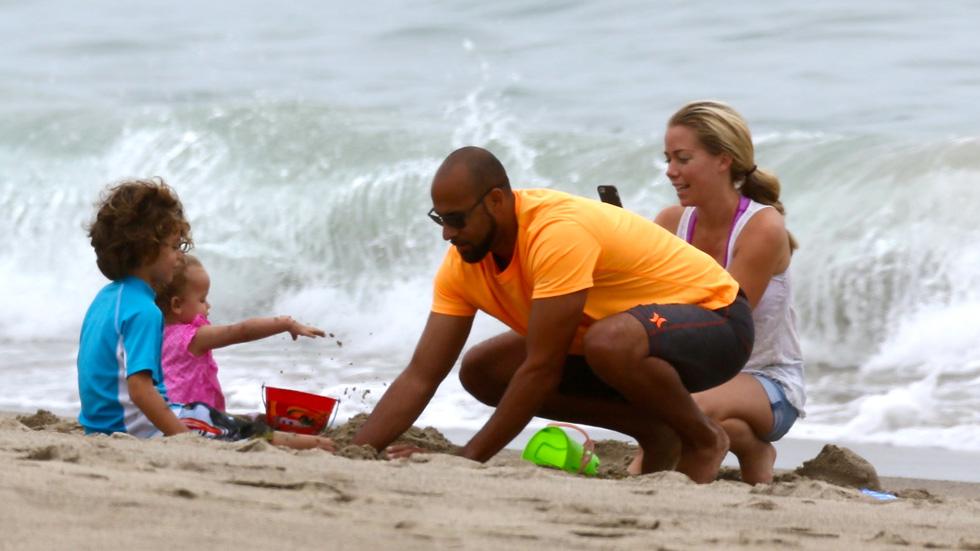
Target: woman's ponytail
x,y
763,187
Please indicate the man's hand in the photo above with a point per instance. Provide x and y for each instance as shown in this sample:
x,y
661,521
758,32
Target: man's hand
x,y
403,451
436,352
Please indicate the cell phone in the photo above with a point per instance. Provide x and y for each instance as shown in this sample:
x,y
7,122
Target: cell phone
x,y
609,194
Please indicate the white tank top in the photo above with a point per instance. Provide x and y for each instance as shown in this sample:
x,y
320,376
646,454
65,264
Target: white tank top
x,y
776,352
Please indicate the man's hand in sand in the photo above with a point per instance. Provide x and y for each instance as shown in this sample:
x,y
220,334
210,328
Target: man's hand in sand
x,y
297,329
403,451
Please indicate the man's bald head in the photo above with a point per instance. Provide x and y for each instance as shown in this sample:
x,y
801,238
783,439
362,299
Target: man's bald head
x,y
483,171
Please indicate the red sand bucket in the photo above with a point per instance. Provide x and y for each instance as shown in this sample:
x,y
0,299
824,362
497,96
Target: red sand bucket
x,y
299,412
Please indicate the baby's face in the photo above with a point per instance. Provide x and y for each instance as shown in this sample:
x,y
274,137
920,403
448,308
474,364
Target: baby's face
x,y
194,299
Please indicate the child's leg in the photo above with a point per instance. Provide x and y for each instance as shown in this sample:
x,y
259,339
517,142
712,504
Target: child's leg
x,y
219,425
301,441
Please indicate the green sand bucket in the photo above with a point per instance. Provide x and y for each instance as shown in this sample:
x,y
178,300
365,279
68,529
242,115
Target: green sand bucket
x,y
551,447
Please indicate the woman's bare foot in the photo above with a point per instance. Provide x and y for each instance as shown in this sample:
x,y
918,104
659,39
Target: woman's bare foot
x,y
636,466
757,465
301,441
755,457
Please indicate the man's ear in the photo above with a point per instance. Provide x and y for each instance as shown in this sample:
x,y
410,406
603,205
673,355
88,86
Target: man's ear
x,y
497,196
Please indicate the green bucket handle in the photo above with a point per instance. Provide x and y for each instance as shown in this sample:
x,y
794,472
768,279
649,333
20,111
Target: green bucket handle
x,y
588,450
588,447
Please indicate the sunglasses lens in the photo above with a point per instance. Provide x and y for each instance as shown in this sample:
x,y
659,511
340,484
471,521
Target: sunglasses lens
x,y
454,220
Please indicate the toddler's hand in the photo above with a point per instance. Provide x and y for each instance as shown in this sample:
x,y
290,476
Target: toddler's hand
x,y
297,329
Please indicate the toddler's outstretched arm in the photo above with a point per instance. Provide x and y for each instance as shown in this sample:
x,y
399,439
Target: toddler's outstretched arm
x,y
210,337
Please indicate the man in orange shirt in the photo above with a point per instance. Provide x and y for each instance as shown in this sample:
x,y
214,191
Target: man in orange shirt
x,y
615,321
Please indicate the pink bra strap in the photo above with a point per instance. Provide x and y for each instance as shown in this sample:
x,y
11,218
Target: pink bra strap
x,y
743,204
690,226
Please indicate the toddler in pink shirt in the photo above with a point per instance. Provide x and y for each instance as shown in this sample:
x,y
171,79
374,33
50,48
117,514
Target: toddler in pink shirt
x,y
189,370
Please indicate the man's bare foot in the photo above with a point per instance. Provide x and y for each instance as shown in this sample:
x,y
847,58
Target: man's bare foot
x,y
301,441
667,449
701,464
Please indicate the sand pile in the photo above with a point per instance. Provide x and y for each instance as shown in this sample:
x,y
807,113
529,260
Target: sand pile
x,y
842,467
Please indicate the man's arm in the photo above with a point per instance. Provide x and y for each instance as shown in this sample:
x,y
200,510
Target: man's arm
x,y
551,328
436,352
146,397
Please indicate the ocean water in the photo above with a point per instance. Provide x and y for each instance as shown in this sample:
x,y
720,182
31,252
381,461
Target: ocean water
x,y
302,139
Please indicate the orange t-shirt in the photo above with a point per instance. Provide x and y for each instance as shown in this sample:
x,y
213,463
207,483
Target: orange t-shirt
x,y
567,243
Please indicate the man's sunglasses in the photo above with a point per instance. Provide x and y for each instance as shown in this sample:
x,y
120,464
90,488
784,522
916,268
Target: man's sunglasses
x,y
456,220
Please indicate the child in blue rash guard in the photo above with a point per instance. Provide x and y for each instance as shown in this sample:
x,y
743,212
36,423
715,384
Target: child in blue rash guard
x,y
139,235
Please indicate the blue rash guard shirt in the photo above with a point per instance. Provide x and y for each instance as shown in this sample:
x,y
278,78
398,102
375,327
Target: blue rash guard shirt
x,y
122,334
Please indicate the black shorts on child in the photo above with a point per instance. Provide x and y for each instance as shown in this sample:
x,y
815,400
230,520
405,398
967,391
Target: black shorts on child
x,y
212,423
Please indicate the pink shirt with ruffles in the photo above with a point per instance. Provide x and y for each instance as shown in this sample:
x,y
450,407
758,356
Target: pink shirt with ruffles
x,y
189,378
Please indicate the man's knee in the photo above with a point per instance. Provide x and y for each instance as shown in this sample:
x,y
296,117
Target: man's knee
x,y
474,369
614,342
487,367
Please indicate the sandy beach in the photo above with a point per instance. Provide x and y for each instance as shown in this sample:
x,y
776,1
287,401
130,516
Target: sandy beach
x,y
62,490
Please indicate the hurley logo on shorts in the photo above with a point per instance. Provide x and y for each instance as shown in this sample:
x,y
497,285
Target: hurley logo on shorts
x,y
658,320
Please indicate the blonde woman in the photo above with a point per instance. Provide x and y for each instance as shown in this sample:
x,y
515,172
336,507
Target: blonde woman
x,y
730,209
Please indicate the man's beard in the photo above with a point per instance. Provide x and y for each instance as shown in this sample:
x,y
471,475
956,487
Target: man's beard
x,y
479,250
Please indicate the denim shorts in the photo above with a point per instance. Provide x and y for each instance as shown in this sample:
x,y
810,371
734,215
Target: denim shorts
x,y
783,413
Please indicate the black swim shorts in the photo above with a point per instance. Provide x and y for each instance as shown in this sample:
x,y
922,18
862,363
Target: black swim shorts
x,y
706,347
219,425
578,379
